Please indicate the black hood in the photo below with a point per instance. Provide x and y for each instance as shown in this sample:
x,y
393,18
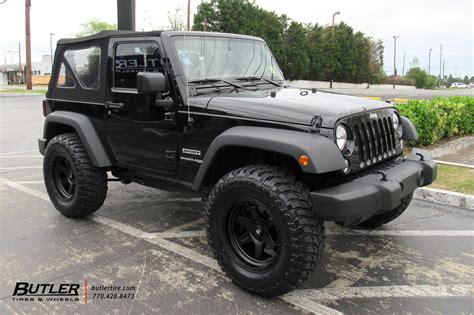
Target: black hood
x,y
291,105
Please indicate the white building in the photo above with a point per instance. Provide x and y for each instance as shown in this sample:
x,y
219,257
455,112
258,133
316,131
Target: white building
x,y
9,72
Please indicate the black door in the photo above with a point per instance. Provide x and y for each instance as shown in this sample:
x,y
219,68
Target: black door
x,y
141,134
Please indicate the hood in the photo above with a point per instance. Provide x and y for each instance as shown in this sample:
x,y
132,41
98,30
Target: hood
x,y
290,105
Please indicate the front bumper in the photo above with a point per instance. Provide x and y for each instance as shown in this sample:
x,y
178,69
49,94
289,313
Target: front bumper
x,y
380,191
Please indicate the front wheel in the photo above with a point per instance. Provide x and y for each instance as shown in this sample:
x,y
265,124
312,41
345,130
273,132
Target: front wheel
x,y
263,231
75,186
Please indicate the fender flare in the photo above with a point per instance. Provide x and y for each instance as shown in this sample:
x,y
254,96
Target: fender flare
x,y
84,127
323,153
409,130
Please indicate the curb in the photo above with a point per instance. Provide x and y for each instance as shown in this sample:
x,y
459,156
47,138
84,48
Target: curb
x,y
444,197
453,146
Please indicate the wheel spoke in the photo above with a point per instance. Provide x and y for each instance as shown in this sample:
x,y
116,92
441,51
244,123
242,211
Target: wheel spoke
x,y
270,245
254,212
258,249
244,238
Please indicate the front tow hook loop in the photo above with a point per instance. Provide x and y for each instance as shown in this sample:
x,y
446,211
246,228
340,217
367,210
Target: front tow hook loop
x,y
384,175
422,158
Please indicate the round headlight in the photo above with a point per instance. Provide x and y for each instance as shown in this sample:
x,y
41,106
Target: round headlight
x,y
396,124
341,137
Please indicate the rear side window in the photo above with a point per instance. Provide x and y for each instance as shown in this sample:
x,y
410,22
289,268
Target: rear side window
x,y
64,77
131,58
85,64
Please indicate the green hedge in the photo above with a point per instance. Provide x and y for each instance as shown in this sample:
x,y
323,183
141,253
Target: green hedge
x,y
440,117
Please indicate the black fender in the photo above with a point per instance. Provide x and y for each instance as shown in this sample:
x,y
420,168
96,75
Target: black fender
x,y
323,153
84,127
409,130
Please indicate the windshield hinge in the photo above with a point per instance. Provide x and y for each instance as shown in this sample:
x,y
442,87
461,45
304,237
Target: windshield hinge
x,y
316,122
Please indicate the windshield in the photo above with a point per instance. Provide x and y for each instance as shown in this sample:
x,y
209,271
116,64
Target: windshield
x,y
210,57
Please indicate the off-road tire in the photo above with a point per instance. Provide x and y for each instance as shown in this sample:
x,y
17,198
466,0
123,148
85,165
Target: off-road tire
x,y
90,181
301,234
384,218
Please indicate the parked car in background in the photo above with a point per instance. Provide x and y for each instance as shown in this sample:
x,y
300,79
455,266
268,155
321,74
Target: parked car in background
x,y
471,85
459,85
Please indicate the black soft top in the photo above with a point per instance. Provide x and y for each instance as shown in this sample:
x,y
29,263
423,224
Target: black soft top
x,y
107,34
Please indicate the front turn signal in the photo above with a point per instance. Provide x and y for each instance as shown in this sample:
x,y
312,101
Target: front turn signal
x,y
304,160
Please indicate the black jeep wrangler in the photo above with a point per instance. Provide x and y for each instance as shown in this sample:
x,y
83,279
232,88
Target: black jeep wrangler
x,y
211,112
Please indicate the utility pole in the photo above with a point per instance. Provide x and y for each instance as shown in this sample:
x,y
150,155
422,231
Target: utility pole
x,y
51,48
205,24
443,70
440,59
20,70
29,85
395,59
189,15
332,38
429,62
403,68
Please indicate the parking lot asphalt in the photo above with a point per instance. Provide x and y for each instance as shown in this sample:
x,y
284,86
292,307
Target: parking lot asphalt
x,y
153,244
400,93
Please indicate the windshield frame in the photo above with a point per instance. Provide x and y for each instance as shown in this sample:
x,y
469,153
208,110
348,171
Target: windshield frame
x,y
172,54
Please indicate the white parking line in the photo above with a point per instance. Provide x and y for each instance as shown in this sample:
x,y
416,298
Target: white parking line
x,y
19,156
380,292
17,152
302,298
337,231
19,168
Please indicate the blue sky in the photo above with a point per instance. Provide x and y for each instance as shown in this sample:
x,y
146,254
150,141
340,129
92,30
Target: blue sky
x,y
421,24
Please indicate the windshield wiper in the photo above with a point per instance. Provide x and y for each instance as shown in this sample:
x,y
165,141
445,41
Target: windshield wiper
x,y
254,78
204,81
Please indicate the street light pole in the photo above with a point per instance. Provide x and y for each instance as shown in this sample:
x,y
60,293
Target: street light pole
x,y
333,17
189,16
51,47
332,38
395,59
429,62
440,59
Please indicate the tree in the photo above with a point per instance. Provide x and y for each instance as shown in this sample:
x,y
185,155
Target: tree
x,y
421,78
297,63
466,79
376,49
94,26
415,62
176,20
302,51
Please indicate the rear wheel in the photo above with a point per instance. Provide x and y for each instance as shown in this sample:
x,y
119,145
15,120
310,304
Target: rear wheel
x,y
75,186
263,230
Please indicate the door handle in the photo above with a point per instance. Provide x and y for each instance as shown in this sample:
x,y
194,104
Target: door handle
x,y
115,106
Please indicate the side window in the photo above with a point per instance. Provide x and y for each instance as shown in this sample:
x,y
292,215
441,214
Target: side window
x,y
64,77
85,63
132,58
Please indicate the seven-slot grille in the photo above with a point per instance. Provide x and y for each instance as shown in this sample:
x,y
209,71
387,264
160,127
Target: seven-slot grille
x,y
375,138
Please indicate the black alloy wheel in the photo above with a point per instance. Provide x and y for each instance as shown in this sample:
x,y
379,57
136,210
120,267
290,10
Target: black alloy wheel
x,y
251,233
64,177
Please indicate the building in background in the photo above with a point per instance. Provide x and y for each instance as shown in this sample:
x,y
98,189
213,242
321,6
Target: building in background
x,y
40,70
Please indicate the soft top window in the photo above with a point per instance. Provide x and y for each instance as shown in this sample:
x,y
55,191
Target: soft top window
x,y
85,64
131,58
64,78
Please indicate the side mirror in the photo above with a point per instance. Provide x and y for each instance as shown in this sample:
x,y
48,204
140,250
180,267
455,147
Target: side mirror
x,y
150,83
